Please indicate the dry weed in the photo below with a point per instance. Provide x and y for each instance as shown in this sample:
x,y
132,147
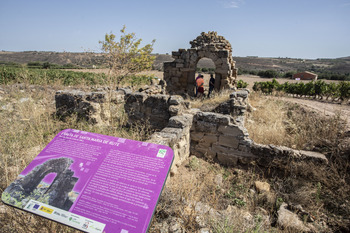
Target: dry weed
x,y
322,191
207,103
28,124
266,124
205,195
282,123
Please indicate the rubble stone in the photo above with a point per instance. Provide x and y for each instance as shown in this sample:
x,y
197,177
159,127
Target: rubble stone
x,y
262,186
289,220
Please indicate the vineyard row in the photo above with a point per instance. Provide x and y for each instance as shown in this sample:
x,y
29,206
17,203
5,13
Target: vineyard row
x,y
316,89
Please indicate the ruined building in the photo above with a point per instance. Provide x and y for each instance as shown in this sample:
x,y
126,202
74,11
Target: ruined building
x,y
179,74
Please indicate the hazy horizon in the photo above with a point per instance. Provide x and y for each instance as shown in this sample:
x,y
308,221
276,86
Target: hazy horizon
x,y
273,28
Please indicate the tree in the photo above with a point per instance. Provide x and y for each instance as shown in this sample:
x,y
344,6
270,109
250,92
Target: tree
x,y
124,57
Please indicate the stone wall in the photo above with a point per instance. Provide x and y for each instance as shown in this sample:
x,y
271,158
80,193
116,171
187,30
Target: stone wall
x,y
57,193
177,136
235,107
217,138
152,110
179,74
91,106
98,107
218,135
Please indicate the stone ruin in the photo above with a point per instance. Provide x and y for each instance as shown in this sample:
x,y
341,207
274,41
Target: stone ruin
x,y
57,192
218,134
179,74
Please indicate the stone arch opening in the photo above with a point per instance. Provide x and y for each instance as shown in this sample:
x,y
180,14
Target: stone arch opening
x,y
179,73
205,66
63,181
49,179
33,179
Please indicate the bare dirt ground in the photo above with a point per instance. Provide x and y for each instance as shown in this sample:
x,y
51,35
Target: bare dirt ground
x,y
327,109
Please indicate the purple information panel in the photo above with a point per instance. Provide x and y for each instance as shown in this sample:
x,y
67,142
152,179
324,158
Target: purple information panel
x,y
93,182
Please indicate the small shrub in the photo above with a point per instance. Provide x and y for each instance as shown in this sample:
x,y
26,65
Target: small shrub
x,y
241,84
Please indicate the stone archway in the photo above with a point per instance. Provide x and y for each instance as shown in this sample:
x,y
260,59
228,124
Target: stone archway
x,y
59,189
179,74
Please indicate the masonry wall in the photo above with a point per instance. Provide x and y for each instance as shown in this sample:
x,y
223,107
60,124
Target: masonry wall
x,y
179,74
91,106
177,136
215,137
219,136
152,110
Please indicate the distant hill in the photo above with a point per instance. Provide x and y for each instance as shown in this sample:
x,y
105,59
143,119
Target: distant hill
x,y
338,65
79,59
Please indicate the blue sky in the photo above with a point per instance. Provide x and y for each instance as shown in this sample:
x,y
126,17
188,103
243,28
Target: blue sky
x,y
264,28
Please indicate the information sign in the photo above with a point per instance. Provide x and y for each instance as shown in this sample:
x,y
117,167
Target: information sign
x,y
94,183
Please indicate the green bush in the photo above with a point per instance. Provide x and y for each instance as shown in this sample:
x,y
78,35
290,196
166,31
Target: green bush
x,y
313,89
268,74
241,84
205,69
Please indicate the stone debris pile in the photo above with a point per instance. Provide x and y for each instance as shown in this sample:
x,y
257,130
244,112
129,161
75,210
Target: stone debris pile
x,y
211,39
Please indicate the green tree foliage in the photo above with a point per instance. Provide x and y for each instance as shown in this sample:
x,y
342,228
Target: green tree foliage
x,y
268,74
344,90
205,70
125,56
48,65
289,74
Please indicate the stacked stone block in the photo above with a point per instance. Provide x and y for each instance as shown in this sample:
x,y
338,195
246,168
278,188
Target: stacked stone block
x,y
91,106
219,136
152,110
236,106
180,73
177,136
215,137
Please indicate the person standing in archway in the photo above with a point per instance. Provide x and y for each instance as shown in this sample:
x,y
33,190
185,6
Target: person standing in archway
x,y
211,84
199,75
200,86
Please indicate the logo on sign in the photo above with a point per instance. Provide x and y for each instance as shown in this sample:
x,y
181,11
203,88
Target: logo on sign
x,y
46,210
161,153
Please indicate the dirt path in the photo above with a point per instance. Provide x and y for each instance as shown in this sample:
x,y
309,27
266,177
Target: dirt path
x,y
327,109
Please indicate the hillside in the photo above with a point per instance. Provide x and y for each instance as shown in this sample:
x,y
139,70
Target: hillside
x,y
338,65
80,59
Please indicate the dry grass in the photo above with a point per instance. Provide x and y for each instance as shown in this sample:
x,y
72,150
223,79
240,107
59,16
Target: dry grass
x,y
266,124
206,195
208,103
282,123
323,191
27,125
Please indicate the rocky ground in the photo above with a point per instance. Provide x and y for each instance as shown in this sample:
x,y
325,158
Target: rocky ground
x,y
203,196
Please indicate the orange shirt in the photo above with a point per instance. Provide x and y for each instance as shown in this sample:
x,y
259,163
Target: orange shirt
x,y
200,82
